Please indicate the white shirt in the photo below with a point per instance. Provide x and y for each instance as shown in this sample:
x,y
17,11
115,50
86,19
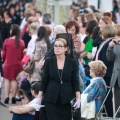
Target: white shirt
x,y
31,45
118,17
82,37
23,23
40,21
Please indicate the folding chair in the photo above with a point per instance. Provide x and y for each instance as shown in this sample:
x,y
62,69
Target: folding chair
x,y
117,111
100,114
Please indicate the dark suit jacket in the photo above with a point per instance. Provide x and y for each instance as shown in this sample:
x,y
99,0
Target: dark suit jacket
x,y
51,85
109,64
113,55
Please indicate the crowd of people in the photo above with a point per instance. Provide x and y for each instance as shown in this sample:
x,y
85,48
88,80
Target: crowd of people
x,y
58,68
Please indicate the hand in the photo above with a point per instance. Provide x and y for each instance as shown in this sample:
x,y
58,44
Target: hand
x,y
77,43
77,104
10,109
41,63
89,55
112,44
25,50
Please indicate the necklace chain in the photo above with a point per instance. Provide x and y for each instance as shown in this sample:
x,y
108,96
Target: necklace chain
x,y
60,76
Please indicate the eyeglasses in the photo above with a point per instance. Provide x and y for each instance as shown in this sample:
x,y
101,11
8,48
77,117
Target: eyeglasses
x,y
58,46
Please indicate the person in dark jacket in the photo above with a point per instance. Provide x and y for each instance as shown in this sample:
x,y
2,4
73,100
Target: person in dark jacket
x,y
58,86
108,34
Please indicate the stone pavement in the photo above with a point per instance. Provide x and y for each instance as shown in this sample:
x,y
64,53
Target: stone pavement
x,y
4,113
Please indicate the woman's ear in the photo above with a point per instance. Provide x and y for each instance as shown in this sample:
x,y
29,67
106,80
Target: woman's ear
x,y
66,50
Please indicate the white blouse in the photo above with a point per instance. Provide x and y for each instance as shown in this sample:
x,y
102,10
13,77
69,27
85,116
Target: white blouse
x,y
31,45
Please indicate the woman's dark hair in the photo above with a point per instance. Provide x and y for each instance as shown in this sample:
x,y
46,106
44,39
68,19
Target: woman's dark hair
x,y
90,27
8,13
15,31
36,87
42,33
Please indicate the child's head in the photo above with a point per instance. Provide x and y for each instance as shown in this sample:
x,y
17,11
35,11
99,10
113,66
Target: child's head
x,y
35,87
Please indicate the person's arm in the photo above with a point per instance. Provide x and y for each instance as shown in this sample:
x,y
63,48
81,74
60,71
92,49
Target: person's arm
x,y
75,78
110,52
82,47
77,95
83,54
76,83
45,78
21,109
93,92
3,53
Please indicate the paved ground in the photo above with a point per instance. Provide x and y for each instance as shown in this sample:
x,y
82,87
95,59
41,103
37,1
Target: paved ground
x,y
4,113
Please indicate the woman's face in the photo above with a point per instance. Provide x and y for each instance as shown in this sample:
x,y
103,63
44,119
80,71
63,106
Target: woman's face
x,y
12,11
17,8
72,31
101,24
5,15
79,19
59,48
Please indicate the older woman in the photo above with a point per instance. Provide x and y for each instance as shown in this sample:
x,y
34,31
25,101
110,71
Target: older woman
x,y
97,88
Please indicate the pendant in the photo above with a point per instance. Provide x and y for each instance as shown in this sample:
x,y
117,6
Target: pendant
x,y
61,82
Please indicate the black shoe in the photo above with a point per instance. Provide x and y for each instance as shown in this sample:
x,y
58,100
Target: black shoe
x,y
13,100
6,100
18,99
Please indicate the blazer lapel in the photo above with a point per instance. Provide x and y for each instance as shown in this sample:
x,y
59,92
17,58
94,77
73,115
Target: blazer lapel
x,y
55,66
65,68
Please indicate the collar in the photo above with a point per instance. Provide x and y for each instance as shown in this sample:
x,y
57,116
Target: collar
x,y
94,79
34,36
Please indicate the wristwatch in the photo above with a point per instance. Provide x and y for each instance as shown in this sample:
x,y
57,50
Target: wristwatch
x,y
110,48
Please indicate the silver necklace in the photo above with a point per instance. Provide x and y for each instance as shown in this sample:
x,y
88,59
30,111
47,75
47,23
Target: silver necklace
x,y
60,76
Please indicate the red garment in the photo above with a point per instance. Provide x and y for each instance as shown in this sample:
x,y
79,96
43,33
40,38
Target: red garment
x,y
12,57
24,30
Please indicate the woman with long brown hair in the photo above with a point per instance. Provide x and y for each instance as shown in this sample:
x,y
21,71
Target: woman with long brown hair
x,y
41,46
12,54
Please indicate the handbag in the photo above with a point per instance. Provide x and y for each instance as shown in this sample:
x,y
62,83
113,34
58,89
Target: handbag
x,y
25,59
87,109
28,68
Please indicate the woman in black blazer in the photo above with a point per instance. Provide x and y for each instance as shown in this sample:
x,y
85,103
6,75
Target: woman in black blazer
x,y
108,34
60,83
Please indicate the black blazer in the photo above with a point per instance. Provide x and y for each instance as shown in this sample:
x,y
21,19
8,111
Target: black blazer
x,y
51,84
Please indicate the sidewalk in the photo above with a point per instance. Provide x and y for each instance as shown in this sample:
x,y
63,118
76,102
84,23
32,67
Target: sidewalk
x,y
4,113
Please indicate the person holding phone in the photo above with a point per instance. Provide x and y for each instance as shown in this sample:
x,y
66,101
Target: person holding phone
x,y
113,54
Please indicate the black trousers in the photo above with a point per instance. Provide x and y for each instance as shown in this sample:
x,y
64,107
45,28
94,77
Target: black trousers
x,y
58,112
117,98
